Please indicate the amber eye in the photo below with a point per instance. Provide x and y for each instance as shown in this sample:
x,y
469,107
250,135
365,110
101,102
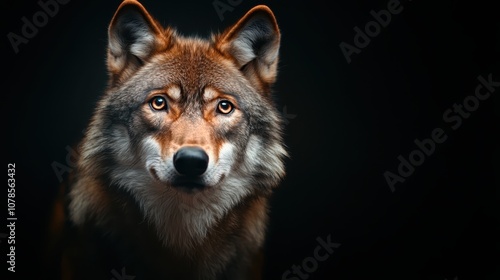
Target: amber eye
x,y
225,107
158,103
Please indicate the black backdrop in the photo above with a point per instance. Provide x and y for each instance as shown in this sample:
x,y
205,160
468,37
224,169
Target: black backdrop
x,y
347,125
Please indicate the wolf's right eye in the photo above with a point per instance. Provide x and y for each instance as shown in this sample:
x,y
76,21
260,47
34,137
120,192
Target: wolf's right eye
x,y
158,103
225,107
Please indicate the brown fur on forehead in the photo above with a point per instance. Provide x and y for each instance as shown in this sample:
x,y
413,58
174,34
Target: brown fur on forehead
x,y
190,62
195,63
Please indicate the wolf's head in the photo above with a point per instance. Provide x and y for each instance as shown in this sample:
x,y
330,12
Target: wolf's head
x,y
187,126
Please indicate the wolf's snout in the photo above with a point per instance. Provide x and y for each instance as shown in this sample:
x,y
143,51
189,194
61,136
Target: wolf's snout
x,y
191,161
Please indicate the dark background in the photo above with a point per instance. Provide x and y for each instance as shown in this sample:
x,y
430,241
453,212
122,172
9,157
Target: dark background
x,y
350,124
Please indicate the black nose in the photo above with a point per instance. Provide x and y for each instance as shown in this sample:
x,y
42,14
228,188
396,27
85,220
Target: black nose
x,y
191,161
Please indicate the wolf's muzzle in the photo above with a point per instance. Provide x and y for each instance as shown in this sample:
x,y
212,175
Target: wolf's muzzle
x,y
191,161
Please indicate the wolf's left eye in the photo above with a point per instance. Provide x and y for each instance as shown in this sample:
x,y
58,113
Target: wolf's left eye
x,y
225,107
158,103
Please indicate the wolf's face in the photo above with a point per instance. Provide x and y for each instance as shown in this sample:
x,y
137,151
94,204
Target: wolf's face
x,y
188,126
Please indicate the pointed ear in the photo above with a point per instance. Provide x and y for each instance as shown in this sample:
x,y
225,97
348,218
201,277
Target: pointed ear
x,y
133,37
253,43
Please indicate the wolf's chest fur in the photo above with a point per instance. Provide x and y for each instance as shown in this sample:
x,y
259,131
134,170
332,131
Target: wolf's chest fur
x,y
229,250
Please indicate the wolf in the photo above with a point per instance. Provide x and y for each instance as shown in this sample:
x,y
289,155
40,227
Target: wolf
x,y
181,155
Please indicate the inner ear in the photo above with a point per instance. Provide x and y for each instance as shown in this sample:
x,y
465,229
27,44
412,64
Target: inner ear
x,y
132,30
134,36
255,35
